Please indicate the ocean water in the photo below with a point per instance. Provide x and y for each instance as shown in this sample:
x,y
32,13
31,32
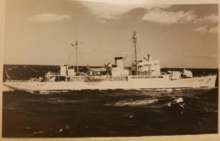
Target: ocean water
x,y
106,113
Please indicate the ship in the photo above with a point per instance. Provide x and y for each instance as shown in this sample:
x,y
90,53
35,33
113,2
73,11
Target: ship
x,y
142,74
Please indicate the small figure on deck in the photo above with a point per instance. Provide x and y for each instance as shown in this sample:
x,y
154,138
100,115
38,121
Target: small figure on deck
x,y
109,69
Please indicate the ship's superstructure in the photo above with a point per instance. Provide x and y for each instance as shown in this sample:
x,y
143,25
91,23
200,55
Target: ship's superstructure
x,y
145,73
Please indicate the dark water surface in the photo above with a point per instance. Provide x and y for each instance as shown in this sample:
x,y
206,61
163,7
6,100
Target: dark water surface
x,y
106,113
109,113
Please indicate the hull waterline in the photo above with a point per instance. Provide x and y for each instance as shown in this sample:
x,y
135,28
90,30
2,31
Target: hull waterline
x,y
130,83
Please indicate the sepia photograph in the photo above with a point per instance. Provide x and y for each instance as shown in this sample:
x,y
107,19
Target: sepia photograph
x,y
109,68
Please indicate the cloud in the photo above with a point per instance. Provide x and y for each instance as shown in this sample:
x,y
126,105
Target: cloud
x,y
112,9
214,56
103,21
204,29
107,7
167,17
105,10
211,18
201,29
104,18
157,13
48,17
156,6
210,55
126,2
118,2
108,17
214,30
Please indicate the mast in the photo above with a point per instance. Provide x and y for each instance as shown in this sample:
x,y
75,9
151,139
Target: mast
x,y
77,67
134,37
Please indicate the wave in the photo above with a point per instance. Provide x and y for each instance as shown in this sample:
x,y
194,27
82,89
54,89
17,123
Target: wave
x,y
57,100
35,133
133,103
46,92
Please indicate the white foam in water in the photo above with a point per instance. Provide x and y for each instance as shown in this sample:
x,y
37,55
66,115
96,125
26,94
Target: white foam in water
x,y
178,100
43,92
166,89
32,92
206,88
63,91
58,100
134,103
178,89
169,90
49,92
36,133
7,89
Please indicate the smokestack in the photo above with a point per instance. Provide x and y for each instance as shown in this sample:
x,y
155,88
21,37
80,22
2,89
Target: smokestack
x,y
119,62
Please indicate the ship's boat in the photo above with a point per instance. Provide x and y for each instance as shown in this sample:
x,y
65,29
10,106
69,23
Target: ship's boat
x,y
187,73
97,77
145,73
96,69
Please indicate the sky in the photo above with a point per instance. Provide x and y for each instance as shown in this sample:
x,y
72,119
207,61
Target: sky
x,y
40,32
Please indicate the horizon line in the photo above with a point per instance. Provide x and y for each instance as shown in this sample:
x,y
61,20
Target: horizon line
x,y
101,65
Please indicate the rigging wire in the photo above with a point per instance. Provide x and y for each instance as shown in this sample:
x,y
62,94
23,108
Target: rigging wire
x,y
70,56
140,50
82,58
128,52
61,53
95,49
108,41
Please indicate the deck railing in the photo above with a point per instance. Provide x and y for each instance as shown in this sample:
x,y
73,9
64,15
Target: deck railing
x,y
91,79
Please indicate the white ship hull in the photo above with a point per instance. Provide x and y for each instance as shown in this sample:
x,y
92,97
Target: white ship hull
x,y
133,82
